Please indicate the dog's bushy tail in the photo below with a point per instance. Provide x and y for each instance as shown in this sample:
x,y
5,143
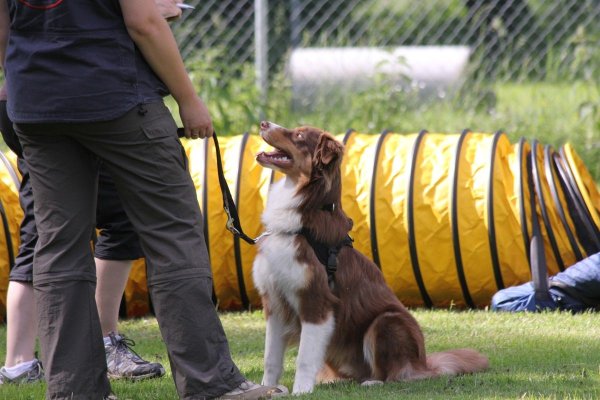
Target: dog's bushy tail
x,y
454,362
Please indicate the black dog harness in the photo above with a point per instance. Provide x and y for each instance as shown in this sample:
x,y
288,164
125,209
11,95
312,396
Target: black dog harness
x,y
326,254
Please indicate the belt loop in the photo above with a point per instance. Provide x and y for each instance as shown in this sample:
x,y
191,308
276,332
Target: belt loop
x,y
142,110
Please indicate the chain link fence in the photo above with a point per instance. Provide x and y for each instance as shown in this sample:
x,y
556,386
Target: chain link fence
x,y
507,40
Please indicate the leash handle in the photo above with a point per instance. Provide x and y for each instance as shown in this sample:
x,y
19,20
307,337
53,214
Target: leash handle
x,y
233,221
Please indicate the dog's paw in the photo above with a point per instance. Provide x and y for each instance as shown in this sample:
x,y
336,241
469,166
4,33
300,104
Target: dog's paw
x,y
371,383
302,388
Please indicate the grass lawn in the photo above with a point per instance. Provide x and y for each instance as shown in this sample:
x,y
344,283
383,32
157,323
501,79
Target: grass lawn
x,y
533,356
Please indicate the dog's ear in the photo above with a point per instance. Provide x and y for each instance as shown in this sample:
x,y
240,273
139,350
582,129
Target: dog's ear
x,y
328,150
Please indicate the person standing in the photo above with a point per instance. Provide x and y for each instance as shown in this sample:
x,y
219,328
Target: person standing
x,y
85,83
115,248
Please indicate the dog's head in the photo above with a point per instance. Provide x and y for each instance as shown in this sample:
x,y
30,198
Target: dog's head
x,y
303,154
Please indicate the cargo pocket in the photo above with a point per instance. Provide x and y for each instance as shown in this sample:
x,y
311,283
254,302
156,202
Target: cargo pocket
x,y
158,131
163,134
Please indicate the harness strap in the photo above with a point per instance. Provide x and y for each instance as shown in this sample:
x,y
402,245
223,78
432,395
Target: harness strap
x,y
327,255
233,221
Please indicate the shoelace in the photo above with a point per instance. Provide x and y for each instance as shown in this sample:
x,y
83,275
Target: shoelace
x,y
40,366
124,344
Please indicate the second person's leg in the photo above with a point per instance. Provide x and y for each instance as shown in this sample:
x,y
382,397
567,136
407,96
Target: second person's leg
x,y
21,364
112,279
116,247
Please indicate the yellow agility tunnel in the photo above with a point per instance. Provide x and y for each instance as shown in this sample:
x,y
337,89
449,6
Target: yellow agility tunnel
x,y
447,217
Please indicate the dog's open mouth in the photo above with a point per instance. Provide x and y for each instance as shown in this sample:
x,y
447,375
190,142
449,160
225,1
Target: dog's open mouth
x,y
277,158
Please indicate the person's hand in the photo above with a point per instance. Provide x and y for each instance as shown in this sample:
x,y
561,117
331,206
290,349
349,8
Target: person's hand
x,y
168,9
195,118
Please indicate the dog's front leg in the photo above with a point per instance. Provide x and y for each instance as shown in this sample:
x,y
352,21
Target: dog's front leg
x,y
274,350
314,340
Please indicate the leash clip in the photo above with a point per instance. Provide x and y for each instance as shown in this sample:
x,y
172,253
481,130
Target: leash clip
x,y
265,233
230,225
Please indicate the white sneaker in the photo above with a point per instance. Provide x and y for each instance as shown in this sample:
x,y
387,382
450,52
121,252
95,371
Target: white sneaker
x,y
33,374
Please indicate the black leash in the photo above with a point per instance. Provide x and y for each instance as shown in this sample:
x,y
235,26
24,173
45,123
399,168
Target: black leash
x,y
233,221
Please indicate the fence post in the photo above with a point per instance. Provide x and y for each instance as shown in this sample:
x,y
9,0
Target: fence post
x,y
295,24
261,60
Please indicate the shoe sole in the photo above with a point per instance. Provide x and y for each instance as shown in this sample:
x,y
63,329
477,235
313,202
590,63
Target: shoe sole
x,y
138,377
262,393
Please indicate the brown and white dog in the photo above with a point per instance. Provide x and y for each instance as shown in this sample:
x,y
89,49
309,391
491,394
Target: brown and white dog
x,y
350,326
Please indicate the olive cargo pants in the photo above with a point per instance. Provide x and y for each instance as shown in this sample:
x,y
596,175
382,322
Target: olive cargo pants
x,y
143,154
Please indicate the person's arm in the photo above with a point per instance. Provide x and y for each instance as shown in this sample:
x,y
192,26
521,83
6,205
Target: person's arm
x,y
4,21
151,33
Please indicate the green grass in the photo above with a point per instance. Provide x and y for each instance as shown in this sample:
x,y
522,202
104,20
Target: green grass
x,y
533,356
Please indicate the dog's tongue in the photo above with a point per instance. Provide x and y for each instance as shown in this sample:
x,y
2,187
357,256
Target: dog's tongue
x,y
277,154
275,158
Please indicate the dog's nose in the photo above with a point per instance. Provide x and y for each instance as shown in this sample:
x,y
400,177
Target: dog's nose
x,y
264,125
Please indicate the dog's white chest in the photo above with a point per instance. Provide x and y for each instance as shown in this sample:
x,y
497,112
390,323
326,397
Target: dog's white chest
x,y
276,270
